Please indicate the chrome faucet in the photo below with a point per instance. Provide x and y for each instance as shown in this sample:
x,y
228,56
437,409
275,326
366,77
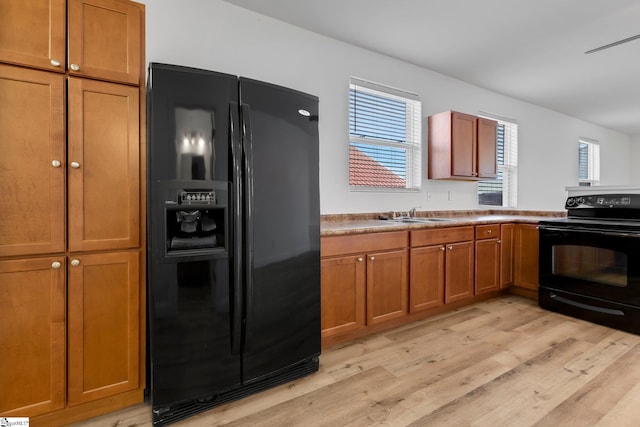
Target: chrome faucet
x,y
412,212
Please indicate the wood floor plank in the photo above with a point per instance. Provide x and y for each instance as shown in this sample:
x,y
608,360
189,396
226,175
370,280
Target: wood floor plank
x,y
500,362
589,404
555,384
625,412
337,404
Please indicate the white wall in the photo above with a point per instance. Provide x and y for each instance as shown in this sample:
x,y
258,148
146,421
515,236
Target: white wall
x,y
218,36
635,159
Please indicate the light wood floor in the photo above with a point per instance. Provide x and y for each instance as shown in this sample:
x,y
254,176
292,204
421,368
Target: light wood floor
x,y
503,362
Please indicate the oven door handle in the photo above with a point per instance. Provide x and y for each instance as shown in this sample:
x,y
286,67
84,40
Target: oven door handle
x,y
586,306
587,231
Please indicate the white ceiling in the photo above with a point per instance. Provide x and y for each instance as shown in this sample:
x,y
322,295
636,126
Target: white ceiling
x,y
532,50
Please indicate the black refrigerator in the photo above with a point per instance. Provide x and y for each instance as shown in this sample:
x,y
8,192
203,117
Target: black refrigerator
x,y
233,238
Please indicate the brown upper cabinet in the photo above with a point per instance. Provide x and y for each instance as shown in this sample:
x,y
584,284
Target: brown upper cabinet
x,y
461,146
104,37
32,175
104,164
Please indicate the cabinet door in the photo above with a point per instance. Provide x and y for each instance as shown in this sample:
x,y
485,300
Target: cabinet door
x,y
32,371
463,145
104,170
487,159
487,274
526,253
387,292
426,278
458,271
506,255
104,325
32,173
32,33
343,294
105,39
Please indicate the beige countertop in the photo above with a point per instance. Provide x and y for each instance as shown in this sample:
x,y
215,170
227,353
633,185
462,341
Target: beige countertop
x,y
335,225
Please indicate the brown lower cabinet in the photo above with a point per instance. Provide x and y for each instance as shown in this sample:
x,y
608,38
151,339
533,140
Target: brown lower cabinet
x,y
387,274
507,255
103,325
488,254
92,318
526,257
375,281
426,278
33,338
442,266
343,294
364,281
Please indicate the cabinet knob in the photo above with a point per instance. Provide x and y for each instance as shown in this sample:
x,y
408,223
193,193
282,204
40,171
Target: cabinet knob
x,y
489,231
450,247
55,63
360,259
56,264
75,165
75,262
442,248
372,258
500,242
55,163
75,67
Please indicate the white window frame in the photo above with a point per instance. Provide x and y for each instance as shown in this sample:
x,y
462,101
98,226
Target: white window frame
x,y
593,162
413,143
510,167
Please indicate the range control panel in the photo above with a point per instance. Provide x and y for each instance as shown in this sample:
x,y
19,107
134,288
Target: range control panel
x,y
610,201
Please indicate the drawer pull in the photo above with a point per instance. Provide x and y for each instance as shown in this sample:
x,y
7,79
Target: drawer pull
x,y
56,264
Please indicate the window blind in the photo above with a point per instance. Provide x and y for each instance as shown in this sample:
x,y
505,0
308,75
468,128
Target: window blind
x,y
384,137
502,191
588,161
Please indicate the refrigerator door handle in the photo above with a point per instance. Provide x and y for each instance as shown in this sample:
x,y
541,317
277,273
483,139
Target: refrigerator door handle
x,y
236,219
247,147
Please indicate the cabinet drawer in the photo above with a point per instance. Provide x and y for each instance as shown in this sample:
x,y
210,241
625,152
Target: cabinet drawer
x,y
440,236
491,231
363,243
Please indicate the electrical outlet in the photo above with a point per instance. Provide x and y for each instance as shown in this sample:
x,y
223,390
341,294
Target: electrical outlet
x,y
450,195
428,195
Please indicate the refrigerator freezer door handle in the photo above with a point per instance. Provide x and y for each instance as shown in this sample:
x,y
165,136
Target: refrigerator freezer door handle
x,y
236,219
247,147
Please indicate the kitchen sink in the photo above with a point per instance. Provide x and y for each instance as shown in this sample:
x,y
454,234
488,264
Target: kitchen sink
x,y
421,220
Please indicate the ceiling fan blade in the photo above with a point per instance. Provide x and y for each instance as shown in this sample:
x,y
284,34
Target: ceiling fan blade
x,y
619,42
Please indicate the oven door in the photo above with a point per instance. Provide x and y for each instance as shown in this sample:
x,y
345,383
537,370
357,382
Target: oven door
x,y
591,261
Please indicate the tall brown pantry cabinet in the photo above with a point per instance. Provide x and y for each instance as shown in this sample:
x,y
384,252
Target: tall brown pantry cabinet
x,y
72,211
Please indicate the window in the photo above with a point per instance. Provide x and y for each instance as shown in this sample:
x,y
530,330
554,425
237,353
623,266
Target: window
x,y
503,190
588,162
384,137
